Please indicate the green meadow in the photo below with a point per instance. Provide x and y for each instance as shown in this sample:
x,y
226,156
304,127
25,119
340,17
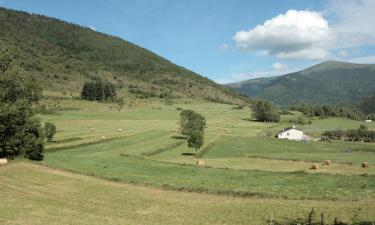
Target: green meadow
x,y
144,173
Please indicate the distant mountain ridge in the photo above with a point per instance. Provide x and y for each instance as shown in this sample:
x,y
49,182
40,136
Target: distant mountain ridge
x,y
61,56
325,83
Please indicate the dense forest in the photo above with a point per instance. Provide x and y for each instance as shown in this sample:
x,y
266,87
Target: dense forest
x,y
62,56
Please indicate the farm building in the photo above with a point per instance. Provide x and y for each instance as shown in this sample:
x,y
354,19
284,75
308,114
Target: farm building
x,y
368,121
291,133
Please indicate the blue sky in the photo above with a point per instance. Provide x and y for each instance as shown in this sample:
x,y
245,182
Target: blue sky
x,y
229,41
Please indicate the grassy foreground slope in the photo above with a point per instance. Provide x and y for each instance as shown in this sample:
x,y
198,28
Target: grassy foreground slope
x,y
32,194
325,83
61,56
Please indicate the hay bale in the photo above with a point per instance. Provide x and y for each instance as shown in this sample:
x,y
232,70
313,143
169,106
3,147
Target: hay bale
x,y
119,130
92,129
315,166
89,125
3,162
104,137
327,162
199,163
365,164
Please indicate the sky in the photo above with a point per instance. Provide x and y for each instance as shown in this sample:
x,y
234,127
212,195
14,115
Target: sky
x,y
229,41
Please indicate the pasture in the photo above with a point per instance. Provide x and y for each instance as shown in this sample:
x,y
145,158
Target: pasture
x,y
247,175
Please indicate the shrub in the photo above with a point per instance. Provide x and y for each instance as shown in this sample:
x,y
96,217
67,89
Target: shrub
x,y
49,130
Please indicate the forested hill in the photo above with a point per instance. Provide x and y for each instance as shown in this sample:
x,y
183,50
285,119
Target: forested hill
x,y
325,83
62,56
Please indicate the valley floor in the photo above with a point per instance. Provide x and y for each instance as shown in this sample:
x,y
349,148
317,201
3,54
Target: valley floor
x,y
131,166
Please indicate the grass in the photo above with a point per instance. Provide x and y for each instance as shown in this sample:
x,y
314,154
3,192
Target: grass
x,y
104,160
49,196
266,175
339,152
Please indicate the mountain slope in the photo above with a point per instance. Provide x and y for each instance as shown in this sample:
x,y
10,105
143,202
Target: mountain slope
x,y
62,56
325,83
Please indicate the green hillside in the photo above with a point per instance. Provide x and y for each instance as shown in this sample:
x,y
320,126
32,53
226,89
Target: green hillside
x,y
61,56
325,83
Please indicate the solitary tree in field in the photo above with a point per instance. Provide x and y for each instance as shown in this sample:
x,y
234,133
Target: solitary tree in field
x,y
20,131
195,140
50,130
193,125
265,112
185,116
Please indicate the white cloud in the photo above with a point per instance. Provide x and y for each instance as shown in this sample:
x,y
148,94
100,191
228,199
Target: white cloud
x,y
279,66
295,34
223,47
92,28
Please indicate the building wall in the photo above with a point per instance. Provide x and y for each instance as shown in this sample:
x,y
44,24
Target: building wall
x,y
291,135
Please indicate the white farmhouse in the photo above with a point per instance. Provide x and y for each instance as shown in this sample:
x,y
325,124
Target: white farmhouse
x,y
291,133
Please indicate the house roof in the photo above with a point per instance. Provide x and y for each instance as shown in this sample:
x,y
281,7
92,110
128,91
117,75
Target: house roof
x,y
288,129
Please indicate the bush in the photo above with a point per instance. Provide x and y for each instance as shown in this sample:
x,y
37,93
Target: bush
x,y
49,130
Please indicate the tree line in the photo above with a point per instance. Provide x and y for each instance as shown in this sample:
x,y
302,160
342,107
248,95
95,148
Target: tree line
x,y
364,109
360,134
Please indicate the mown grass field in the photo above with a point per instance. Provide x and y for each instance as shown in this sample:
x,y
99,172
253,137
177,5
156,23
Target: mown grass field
x,y
246,176
32,194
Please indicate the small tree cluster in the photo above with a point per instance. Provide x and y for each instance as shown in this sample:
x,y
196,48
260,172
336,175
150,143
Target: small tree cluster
x,y
98,90
264,111
20,131
193,125
361,134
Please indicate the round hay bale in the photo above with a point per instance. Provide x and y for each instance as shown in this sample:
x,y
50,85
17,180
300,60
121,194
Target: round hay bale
x,y
89,125
365,164
104,137
315,166
119,130
92,129
3,162
327,162
199,163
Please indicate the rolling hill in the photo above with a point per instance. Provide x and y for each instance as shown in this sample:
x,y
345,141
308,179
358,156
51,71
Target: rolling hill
x,y
61,56
326,83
